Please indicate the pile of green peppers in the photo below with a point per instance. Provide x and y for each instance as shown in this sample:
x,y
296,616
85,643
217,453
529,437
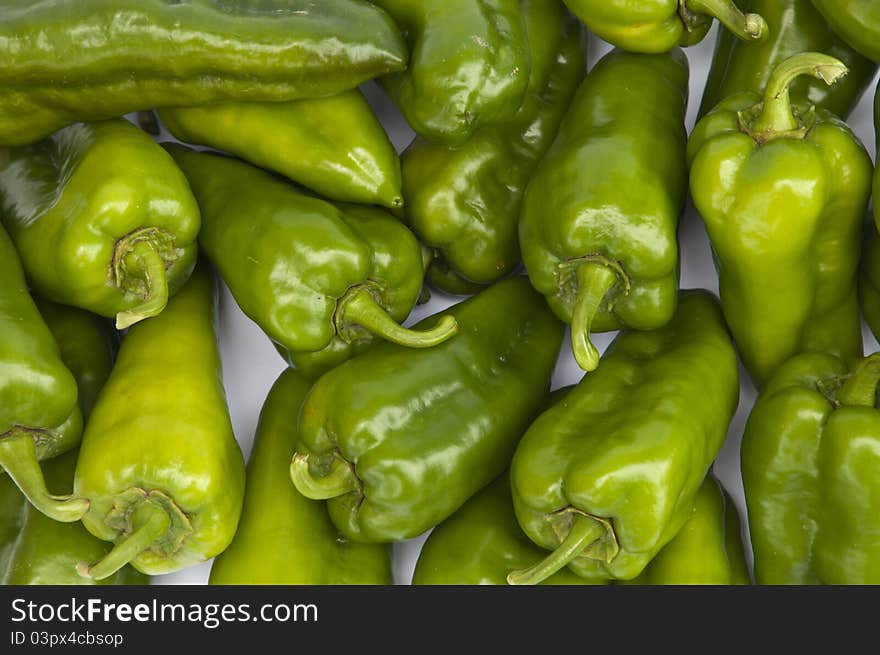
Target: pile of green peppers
x,y
160,157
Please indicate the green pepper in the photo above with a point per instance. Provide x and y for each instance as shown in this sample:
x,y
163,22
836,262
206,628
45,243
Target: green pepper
x,y
39,415
600,214
869,281
335,146
656,26
102,218
319,281
464,202
810,455
856,21
783,189
795,26
469,65
398,439
609,475
159,463
88,60
282,537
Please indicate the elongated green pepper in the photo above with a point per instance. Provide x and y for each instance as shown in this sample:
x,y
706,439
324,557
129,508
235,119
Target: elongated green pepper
x,y
334,146
284,538
95,59
869,281
102,219
795,26
856,21
810,461
599,218
320,282
469,65
159,464
609,475
464,201
783,189
397,439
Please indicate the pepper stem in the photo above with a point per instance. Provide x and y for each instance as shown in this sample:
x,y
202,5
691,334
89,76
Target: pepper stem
x,y
360,308
776,115
584,531
340,481
595,280
861,387
18,457
145,261
746,26
154,522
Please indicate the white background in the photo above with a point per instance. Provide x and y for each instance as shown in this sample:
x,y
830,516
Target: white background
x,y
251,364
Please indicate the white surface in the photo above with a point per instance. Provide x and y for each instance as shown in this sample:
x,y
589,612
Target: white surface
x,y
251,363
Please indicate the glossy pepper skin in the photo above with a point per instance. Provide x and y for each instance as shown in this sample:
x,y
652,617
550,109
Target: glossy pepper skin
x,y
318,280
657,26
869,282
608,476
159,463
39,414
856,21
783,189
334,146
398,439
599,219
809,462
283,537
102,218
468,67
88,60
464,201
794,26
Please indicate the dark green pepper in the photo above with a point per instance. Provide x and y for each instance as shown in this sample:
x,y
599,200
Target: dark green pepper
x,y
398,439
159,463
869,282
810,457
282,537
334,146
318,280
599,218
783,189
856,21
88,60
656,26
609,475
464,202
102,219
469,65
795,26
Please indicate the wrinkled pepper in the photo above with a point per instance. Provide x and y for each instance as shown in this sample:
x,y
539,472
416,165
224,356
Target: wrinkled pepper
x,y
600,214
869,282
657,26
468,67
810,457
397,439
159,463
464,202
39,414
609,475
856,21
334,146
102,218
282,537
88,60
319,281
795,27
783,189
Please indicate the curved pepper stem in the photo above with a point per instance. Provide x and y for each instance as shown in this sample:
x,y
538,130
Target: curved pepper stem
x,y
144,261
861,386
154,522
584,531
749,27
595,280
340,481
18,457
358,307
